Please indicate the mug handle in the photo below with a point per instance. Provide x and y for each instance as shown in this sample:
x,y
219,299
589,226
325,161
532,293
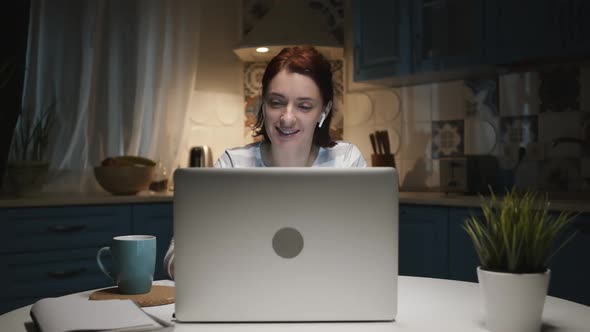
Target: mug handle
x,y
100,265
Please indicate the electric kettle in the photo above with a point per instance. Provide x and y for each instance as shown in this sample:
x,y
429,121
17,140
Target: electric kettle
x,y
200,156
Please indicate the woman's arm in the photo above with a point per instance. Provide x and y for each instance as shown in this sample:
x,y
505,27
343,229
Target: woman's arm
x,y
169,260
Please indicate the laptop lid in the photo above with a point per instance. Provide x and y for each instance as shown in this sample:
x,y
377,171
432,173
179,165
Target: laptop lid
x,y
286,244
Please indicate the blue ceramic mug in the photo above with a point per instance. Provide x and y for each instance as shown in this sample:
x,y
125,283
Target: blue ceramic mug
x,y
134,263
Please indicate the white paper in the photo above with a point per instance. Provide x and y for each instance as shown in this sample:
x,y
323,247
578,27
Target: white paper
x,y
75,314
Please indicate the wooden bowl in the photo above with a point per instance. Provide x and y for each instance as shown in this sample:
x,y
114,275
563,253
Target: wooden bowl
x,y
124,180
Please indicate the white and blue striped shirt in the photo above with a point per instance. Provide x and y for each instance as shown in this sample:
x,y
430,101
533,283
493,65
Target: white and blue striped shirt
x,y
343,154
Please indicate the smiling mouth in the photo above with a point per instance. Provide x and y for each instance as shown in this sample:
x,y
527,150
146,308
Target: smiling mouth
x,y
287,132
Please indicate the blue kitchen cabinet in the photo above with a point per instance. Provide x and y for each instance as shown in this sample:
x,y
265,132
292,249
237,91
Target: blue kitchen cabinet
x,y
573,26
52,228
447,34
529,31
570,267
35,275
157,220
463,260
521,30
403,42
51,251
381,37
423,241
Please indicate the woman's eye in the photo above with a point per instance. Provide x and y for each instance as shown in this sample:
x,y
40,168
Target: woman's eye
x,y
306,107
275,103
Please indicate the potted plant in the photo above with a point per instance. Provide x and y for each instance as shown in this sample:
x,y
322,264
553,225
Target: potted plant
x,y
27,168
515,242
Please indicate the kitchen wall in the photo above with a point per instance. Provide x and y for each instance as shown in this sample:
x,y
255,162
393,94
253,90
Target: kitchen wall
x,y
225,88
493,115
216,113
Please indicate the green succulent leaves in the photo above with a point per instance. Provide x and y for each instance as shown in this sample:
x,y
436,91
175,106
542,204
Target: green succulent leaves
x,y
517,234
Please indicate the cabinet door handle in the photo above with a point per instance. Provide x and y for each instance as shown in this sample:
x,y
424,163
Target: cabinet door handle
x,y
65,229
66,274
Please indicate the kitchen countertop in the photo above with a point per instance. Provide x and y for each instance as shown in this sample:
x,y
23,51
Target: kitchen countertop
x,y
419,198
460,200
66,199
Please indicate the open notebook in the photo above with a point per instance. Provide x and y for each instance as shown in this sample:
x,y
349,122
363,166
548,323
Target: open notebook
x,y
78,314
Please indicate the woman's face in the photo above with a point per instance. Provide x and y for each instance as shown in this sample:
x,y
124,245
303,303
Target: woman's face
x,y
292,107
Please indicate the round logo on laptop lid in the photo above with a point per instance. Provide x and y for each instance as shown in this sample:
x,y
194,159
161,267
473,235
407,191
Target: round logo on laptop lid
x,y
287,242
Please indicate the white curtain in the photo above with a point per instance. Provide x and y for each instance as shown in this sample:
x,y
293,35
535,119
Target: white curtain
x,y
121,74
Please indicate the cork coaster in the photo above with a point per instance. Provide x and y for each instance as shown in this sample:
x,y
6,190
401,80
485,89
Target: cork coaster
x,y
158,295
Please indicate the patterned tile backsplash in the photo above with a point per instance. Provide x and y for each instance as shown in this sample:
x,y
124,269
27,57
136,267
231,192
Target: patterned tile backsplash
x,y
447,139
520,130
518,117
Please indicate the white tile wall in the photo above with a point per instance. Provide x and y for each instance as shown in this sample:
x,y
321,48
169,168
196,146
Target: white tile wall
x,y
420,105
358,110
519,94
569,126
216,120
419,174
448,101
416,140
387,106
359,136
416,103
480,137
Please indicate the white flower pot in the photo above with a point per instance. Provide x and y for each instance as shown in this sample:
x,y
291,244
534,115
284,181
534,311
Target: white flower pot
x,y
513,302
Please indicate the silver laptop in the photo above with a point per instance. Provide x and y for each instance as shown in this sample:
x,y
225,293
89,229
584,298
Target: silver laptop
x,y
286,244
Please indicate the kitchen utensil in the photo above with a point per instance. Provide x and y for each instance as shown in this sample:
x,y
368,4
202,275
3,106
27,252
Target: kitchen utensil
x,y
373,143
201,156
382,155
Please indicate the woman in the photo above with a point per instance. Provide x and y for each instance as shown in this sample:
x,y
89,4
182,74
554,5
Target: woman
x,y
294,121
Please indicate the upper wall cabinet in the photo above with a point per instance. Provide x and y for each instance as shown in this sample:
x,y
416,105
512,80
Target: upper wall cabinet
x,y
447,34
381,39
538,30
573,25
419,41
409,40
519,30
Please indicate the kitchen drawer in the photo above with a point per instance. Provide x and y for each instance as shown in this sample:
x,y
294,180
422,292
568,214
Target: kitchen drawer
x,y
35,229
32,276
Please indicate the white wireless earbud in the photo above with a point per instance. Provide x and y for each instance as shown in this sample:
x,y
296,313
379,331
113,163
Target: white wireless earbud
x,y
322,118
325,114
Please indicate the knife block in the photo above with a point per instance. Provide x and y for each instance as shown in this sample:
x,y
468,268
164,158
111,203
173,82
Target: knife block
x,y
383,160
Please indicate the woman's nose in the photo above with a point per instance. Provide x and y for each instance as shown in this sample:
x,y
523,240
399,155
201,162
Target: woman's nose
x,y
288,118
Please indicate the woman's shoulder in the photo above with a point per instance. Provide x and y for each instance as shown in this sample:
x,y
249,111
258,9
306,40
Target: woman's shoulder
x,y
245,149
342,154
342,147
241,156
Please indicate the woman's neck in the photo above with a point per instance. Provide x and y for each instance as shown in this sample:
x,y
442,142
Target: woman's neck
x,y
276,157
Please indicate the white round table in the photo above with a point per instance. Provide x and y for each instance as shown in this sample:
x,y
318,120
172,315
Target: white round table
x,y
424,304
